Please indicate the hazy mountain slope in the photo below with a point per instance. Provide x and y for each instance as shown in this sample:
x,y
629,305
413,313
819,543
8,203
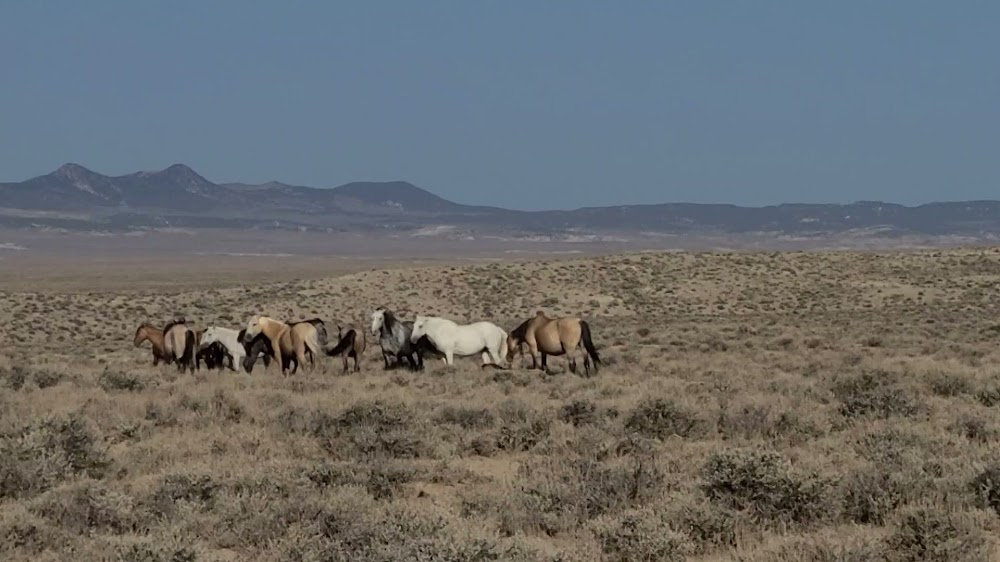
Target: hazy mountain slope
x,y
178,194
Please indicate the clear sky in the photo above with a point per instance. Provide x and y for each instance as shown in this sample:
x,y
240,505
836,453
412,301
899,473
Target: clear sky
x,y
551,104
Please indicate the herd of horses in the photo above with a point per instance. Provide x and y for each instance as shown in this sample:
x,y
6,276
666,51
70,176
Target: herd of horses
x,y
291,344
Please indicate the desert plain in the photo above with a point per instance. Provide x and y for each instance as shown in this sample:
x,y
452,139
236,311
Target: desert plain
x,y
752,406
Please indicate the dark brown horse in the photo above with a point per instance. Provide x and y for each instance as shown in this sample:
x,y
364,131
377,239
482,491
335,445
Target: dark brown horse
x,y
351,343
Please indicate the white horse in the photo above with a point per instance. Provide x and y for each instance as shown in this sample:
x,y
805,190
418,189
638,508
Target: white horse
x,y
229,339
462,340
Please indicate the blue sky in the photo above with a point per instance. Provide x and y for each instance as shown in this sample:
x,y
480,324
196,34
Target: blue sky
x,y
556,104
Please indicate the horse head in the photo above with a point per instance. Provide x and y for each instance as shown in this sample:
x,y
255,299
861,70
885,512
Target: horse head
x,y
209,336
140,334
378,320
419,329
253,328
513,347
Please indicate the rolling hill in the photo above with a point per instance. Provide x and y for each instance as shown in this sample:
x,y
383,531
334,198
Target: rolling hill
x,y
75,197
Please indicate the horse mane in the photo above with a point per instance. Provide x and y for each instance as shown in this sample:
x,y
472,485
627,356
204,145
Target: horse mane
x,y
521,331
388,319
173,323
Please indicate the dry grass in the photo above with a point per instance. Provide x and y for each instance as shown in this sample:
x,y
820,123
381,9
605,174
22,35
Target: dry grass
x,y
781,406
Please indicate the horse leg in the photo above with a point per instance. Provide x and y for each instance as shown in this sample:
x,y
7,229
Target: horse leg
x,y
343,357
545,366
357,364
449,358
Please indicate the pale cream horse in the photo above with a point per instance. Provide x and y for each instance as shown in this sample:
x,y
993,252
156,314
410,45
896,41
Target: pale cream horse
x,y
286,341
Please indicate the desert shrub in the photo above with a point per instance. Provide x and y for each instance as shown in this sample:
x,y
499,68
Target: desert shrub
x,y
890,447
974,428
871,494
334,474
14,377
342,533
821,547
371,429
755,421
42,454
197,489
155,551
87,507
923,534
579,412
989,396
641,535
225,407
25,532
660,418
159,415
47,379
116,380
948,384
760,483
874,394
558,495
707,526
384,482
521,427
481,446
467,418
986,487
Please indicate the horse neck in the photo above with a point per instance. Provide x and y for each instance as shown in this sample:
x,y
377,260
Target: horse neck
x,y
154,335
521,332
271,327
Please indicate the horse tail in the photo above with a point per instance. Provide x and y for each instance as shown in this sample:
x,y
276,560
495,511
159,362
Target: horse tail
x,y
311,342
189,350
588,343
344,344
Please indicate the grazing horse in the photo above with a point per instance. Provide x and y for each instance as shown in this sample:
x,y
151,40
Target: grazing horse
x,y
297,339
155,336
558,336
394,339
229,339
351,343
463,340
180,344
259,347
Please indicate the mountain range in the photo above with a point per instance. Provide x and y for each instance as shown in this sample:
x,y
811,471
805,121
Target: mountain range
x,y
74,197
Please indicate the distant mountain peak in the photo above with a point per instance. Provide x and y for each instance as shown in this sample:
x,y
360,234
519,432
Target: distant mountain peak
x,y
71,170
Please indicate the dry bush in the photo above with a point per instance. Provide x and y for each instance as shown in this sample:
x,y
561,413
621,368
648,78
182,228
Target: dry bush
x,y
41,454
761,483
932,535
660,418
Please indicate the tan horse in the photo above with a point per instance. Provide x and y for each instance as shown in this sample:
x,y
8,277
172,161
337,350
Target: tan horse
x,y
352,343
147,332
548,336
286,341
180,343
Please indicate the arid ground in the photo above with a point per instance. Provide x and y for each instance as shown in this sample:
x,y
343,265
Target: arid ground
x,y
832,406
